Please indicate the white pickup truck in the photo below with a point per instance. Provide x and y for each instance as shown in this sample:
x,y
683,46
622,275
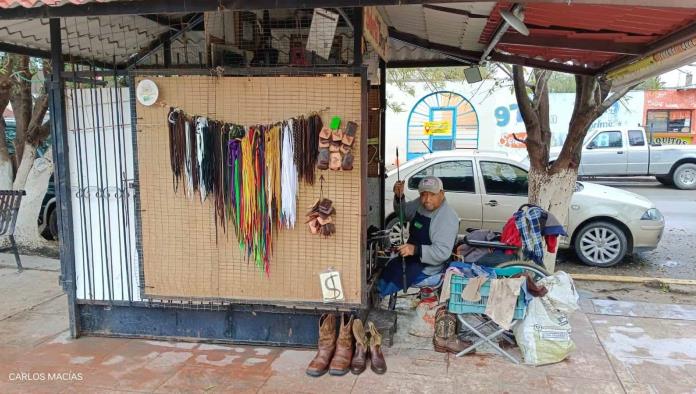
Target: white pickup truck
x,y
622,151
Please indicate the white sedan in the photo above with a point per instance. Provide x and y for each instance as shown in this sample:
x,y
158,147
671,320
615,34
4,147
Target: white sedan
x,y
485,189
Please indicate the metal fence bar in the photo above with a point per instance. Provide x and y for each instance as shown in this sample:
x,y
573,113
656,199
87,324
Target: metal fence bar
x,y
62,175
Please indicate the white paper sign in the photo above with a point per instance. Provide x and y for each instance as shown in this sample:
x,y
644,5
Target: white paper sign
x,y
331,288
322,31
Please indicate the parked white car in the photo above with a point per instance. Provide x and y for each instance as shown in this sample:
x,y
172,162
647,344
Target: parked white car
x,y
622,151
485,189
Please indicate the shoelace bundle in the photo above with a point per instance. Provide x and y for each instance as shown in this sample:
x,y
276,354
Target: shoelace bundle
x,y
288,177
251,174
177,144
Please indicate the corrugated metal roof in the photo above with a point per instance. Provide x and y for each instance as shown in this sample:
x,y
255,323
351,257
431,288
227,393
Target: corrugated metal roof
x,y
102,38
603,23
453,28
39,3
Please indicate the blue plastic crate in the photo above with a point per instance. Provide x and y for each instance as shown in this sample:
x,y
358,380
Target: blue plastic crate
x,y
458,306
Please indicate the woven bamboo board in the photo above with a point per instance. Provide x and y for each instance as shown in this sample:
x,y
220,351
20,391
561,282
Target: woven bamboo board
x,y
185,256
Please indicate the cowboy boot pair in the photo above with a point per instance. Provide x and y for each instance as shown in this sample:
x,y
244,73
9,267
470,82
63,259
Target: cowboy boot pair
x,y
334,354
367,348
445,339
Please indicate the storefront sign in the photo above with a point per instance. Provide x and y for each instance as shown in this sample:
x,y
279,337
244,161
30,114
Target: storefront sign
x,y
437,128
375,31
672,140
671,57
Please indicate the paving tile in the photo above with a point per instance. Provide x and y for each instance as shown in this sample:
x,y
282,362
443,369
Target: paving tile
x,y
649,351
583,385
87,352
288,375
25,289
393,382
643,388
212,380
495,369
137,366
645,309
407,364
29,329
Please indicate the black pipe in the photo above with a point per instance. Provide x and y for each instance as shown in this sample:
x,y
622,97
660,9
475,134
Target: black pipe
x,y
59,132
382,139
86,263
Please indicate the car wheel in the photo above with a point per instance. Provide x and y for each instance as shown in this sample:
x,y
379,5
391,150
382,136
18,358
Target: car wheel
x,y
601,244
684,176
665,180
53,224
395,231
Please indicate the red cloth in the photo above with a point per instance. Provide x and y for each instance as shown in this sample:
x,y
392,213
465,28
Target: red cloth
x,y
551,243
511,235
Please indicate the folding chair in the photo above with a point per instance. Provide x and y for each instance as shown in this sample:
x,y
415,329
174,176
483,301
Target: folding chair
x,y
487,330
9,208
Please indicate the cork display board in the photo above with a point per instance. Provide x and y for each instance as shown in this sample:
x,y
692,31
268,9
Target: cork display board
x,y
184,255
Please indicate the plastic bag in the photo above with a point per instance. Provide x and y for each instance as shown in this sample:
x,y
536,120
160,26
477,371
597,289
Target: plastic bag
x,y
424,323
544,334
562,295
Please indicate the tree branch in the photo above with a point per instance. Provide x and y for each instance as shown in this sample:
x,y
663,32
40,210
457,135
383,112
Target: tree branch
x,y
35,133
616,96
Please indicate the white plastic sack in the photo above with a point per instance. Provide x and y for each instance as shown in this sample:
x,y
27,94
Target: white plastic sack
x,y
544,335
424,323
562,294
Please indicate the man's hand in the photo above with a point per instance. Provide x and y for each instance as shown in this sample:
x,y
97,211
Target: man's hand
x,y
407,250
399,188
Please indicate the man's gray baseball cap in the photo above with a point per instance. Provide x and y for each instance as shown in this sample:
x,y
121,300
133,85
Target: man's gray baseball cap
x,y
430,184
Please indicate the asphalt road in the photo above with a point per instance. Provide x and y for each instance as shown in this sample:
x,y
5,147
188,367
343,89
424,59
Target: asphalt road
x,y
675,256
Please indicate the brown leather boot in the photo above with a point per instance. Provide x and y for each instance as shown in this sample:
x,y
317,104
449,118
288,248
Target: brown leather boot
x,y
359,363
451,345
327,345
377,363
445,324
340,364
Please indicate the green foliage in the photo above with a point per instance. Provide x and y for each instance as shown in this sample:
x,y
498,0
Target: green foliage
x,y
654,83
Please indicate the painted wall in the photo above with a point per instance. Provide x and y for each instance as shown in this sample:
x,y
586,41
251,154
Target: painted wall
x,y
498,115
673,99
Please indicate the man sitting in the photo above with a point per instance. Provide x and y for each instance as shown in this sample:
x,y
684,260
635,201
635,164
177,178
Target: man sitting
x,y
432,234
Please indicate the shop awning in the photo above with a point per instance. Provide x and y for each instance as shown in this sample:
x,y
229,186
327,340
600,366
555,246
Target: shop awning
x,y
582,36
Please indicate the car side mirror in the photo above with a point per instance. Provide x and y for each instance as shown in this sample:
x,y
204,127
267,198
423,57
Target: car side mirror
x,y
591,145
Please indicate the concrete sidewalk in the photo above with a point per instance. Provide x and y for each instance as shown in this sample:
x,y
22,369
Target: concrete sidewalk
x,y
621,347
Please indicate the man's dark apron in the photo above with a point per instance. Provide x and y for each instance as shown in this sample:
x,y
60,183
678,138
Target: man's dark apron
x,y
391,280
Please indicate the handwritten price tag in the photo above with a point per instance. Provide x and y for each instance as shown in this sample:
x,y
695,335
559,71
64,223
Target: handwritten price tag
x,y
331,288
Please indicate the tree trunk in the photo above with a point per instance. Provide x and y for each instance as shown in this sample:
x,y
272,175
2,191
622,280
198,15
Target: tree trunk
x,y
6,173
553,193
21,100
25,167
27,230
6,168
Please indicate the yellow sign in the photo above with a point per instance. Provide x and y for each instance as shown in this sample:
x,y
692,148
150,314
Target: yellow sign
x,y
437,128
672,139
375,31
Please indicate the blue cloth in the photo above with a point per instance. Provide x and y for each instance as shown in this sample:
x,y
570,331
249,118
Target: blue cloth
x,y
472,270
391,280
528,222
